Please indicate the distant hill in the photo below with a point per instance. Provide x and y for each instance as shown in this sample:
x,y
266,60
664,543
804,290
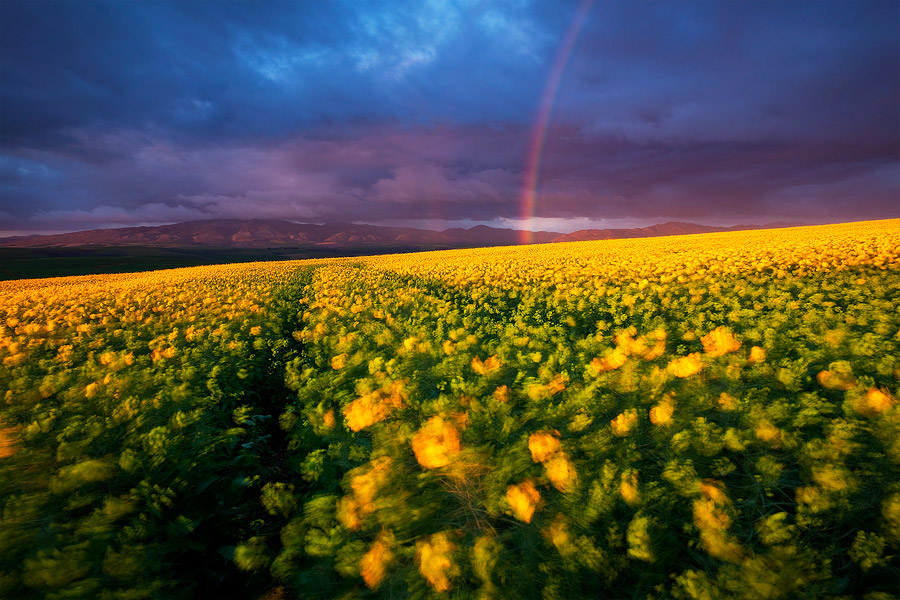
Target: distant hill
x,y
256,233
670,228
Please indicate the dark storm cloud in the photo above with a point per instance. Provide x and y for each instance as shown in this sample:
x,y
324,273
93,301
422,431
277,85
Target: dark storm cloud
x,y
141,112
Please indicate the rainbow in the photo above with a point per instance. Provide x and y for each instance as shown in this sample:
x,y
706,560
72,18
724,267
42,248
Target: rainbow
x,y
528,199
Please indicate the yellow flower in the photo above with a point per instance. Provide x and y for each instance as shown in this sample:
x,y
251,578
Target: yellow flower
x,y
556,385
727,402
501,394
766,431
484,558
638,537
659,346
436,443
661,414
873,402
812,497
338,362
558,534
492,363
374,407
890,510
625,422
328,420
373,565
712,489
838,376
365,411
713,522
611,361
560,472
628,488
831,478
364,485
8,440
686,366
757,355
523,499
720,341
435,563
348,513
543,445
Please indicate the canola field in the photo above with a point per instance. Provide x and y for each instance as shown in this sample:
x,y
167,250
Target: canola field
x,y
694,417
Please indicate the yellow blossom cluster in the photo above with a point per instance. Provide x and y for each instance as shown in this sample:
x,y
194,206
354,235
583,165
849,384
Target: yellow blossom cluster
x,y
713,521
436,443
364,485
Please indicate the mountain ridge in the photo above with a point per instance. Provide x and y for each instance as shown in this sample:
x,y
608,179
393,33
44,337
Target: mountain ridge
x,y
269,233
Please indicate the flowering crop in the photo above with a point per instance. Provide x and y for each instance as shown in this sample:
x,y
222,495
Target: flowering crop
x,y
708,416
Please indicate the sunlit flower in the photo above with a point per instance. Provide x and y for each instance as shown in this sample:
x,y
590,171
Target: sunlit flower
x,y
328,420
659,345
726,401
625,422
373,565
838,376
812,497
890,510
490,364
831,478
543,445
559,535
436,443
661,413
560,471
365,411
433,555
686,366
523,499
757,355
767,431
874,401
8,441
501,394
712,520
628,488
611,361
720,341
338,362
484,556
773,530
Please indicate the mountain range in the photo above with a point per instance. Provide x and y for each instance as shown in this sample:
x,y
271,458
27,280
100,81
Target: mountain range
x,y
256,233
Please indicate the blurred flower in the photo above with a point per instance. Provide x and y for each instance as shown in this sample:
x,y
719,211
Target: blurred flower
x,y
523,499
720,341
435,562
686,366
625,422
436,443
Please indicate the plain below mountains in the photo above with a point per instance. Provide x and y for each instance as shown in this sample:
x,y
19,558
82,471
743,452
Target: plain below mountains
x,y
255,233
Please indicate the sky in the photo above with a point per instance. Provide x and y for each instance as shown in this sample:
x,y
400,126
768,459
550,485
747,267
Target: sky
x,y
543,114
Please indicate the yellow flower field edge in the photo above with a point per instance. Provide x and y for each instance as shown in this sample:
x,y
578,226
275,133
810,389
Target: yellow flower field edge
x,y
136,424
710,416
